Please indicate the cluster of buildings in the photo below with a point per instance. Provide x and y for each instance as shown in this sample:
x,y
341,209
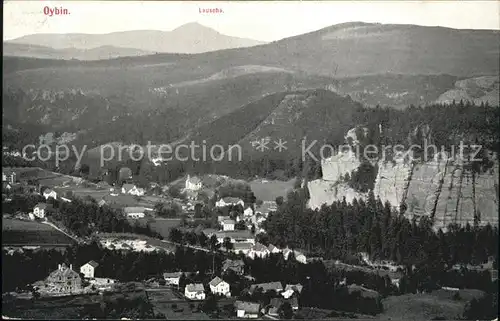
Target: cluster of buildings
x,y
281,295
197,291
289,294
66,281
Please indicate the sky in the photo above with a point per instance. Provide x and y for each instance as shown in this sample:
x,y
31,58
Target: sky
x,y
263,21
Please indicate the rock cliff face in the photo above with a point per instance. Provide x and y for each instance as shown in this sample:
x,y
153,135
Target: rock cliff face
x,y
392,181
443,189
338,165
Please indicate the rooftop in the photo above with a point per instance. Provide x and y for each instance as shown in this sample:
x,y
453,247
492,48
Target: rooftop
x,y
260,247
242,246
128,187
248,307
267,286
168,275
196,287
128,210
42,205
216,281
93,263
232,200
238,234
194,180
294,287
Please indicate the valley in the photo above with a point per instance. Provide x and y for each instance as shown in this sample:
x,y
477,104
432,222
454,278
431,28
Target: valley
x,y
278,213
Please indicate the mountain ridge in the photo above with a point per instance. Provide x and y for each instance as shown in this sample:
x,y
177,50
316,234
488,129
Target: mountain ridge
x,y
188,38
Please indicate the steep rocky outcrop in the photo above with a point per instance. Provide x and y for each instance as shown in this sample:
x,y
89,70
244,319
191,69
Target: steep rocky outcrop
x,y
444,189
485,89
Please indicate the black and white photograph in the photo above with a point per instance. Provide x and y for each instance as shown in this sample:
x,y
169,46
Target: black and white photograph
x,y
267,160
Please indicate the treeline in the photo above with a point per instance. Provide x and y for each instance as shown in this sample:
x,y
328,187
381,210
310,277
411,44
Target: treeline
x,y
121,265
341,229
442,125
85,217
322,288
82,217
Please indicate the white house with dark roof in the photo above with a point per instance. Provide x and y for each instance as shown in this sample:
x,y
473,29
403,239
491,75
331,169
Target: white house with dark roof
x,y
237,266
9,176
290,289
172,278
243,248
226,201
88,269
193,183
273,249
247,310
266,207
236,236
195,291
40,210
266,287
228,225
248,212
258,250
134,212
49,193
132,190
220,287
298,255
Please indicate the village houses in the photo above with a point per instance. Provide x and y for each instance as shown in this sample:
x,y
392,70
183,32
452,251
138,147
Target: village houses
x,y
237,266
228,225
102,202
134,212
193,183
226,201
258,250
195,291
132,190
105,185
248,212
220,287
236,236
275,305
298,255
88,269
266,287
40,210
9,176
49,193
64,280
172,278
291,289
273,249
266,207
242,248
247,310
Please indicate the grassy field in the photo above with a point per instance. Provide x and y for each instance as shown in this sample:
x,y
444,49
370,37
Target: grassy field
x,y
268,190
425,306
27,232
164,226
174,306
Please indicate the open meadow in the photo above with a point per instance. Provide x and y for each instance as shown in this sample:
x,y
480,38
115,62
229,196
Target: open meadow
x,y
17,232
268,190
442,304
